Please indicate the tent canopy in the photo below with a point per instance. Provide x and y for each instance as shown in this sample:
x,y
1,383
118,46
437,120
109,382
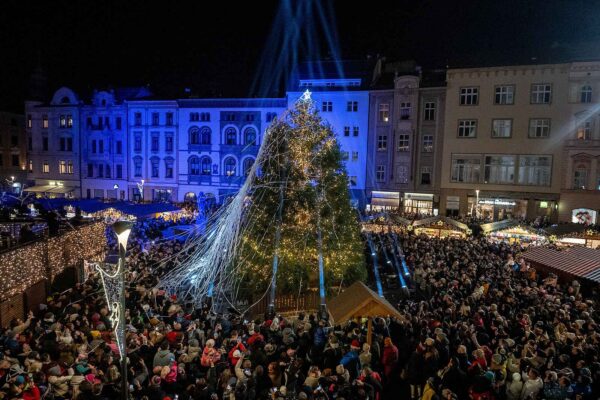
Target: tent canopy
x,y
499,225
359,301
581,262
94,205
432,220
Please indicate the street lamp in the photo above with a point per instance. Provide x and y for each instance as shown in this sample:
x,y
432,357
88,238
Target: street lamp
x,y
122,230
115,186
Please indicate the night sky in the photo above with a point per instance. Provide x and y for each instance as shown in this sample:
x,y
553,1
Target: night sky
x,y
213,47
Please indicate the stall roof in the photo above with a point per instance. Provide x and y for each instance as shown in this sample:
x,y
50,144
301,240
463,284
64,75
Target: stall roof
x,y
581,262
498,225
359,301
93,205
433,220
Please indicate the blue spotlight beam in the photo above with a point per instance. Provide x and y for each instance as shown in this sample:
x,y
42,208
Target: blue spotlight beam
x,y
396,265
375,269
397,246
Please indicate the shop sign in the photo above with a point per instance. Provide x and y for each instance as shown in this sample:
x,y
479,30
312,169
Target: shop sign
x,y
583,216
497,202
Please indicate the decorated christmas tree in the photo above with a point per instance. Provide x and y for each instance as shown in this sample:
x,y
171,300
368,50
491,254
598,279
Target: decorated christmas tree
x,y
300,206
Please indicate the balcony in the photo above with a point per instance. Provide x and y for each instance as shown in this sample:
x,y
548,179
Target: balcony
x,y
582,143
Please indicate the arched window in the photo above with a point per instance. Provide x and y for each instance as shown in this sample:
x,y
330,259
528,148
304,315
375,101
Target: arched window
x,y
229,165
250,137
586,94
194,135
205,134
580,177
206,165
230,136
247,165
194,166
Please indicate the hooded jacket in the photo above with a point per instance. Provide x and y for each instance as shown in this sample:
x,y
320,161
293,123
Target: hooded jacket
x,y
514,388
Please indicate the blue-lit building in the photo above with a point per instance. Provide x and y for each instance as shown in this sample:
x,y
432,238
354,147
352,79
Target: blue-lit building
x,y
218,143
125,144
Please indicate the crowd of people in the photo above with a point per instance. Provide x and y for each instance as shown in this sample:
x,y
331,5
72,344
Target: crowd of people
x,y
478,324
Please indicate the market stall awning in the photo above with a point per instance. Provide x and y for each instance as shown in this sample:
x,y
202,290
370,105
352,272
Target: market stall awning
x,y
496,226
581,262
359,301
38,189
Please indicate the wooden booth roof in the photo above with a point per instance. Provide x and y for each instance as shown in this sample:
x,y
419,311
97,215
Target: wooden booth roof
x,y
359,301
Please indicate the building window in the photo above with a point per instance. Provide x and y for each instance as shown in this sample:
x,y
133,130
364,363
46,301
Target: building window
x,y
101,146
535,170
69,144
29,143
381,142
169,143
155,119
62,144
119,171
429,111
70,167
355,156
69,121
45,121
119,149
402,174
62,121
169,119
90,170
504,95
584,132
250,137
352,106
229,117
586,94
205,117
46,167
427,143
346,131
353,180
541,93
384,112
100,171
29,121
137,167
154,142
230,137
154,167
580,178
403,142
327,106
345,155
467,128
355,131
194,117
230,165
14,141
118,123
194,135
469,96
380,173
205,134
404,110
539,127
205,165
137,118
501,128
14,160
194,165
62,167
466,169
270,117
499,169
137,143
168,168
108,170
425,175
45,143
247,165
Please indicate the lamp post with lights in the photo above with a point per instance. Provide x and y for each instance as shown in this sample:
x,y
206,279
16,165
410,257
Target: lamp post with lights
x,y
122,230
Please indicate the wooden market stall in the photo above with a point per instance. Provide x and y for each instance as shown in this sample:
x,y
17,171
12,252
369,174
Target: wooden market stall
x,y
358,301
570,263
512,232
440,227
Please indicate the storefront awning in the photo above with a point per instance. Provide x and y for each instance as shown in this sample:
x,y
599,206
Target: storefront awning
x,y
61,189
50,189
38,189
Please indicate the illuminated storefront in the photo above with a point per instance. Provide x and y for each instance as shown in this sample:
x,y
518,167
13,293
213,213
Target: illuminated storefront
x,y
384,201
419,203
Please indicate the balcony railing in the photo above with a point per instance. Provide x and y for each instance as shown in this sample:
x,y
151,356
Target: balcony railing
x,y
581,142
